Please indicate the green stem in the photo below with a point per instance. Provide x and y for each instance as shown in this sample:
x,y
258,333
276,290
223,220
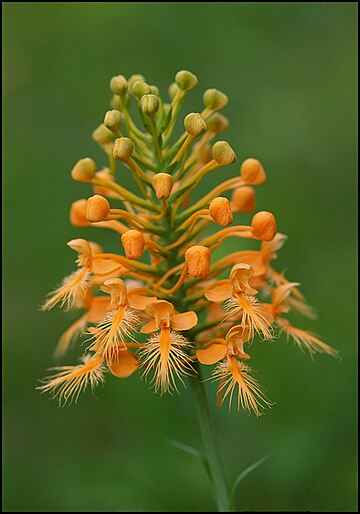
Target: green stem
x,y
208,435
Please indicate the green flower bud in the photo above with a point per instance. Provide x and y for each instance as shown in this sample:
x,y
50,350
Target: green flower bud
x,y
186,80
173,89
215,99
133,79
155,90
113,120
115,102
150,104
223,153
102,135
119,85
140,88
195,124
123,149
217,123
84,170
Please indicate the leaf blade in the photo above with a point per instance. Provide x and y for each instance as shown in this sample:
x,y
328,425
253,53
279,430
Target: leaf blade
x,y
245,473
197,454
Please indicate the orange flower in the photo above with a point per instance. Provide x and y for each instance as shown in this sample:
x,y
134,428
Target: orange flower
x,y
76,285
231,371
165,351
239,297
281,304
122,319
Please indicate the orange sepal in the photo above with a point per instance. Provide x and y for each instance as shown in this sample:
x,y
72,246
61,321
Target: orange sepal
x,y
139,301
125,364
149,328
212,354
220,293
184,321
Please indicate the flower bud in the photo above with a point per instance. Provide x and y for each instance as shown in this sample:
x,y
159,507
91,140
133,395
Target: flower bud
x,y
217,123
162,184
185,80
197,259
252,172
133,242
140,88
195,124
118,85
173,89
134,78
243,199
123,149
220,211
215,99
84,170
115,102
102,135
154,90
263,226
97,208
150,104
113,120
223,153
78,213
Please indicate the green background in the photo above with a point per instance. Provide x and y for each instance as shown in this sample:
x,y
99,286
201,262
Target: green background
x,y
290,72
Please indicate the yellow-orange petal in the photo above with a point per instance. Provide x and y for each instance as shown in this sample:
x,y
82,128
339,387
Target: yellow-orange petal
x,y
139,301
213,353
184,321
219,293
124,364
149,327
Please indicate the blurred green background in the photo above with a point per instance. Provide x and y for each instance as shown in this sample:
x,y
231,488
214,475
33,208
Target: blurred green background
x,y
290,71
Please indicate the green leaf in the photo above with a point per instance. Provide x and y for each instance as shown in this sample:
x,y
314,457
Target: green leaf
x,y
245,473
200,457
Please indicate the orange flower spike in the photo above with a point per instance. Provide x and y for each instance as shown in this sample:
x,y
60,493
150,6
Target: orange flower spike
x,y
169,253
166,351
